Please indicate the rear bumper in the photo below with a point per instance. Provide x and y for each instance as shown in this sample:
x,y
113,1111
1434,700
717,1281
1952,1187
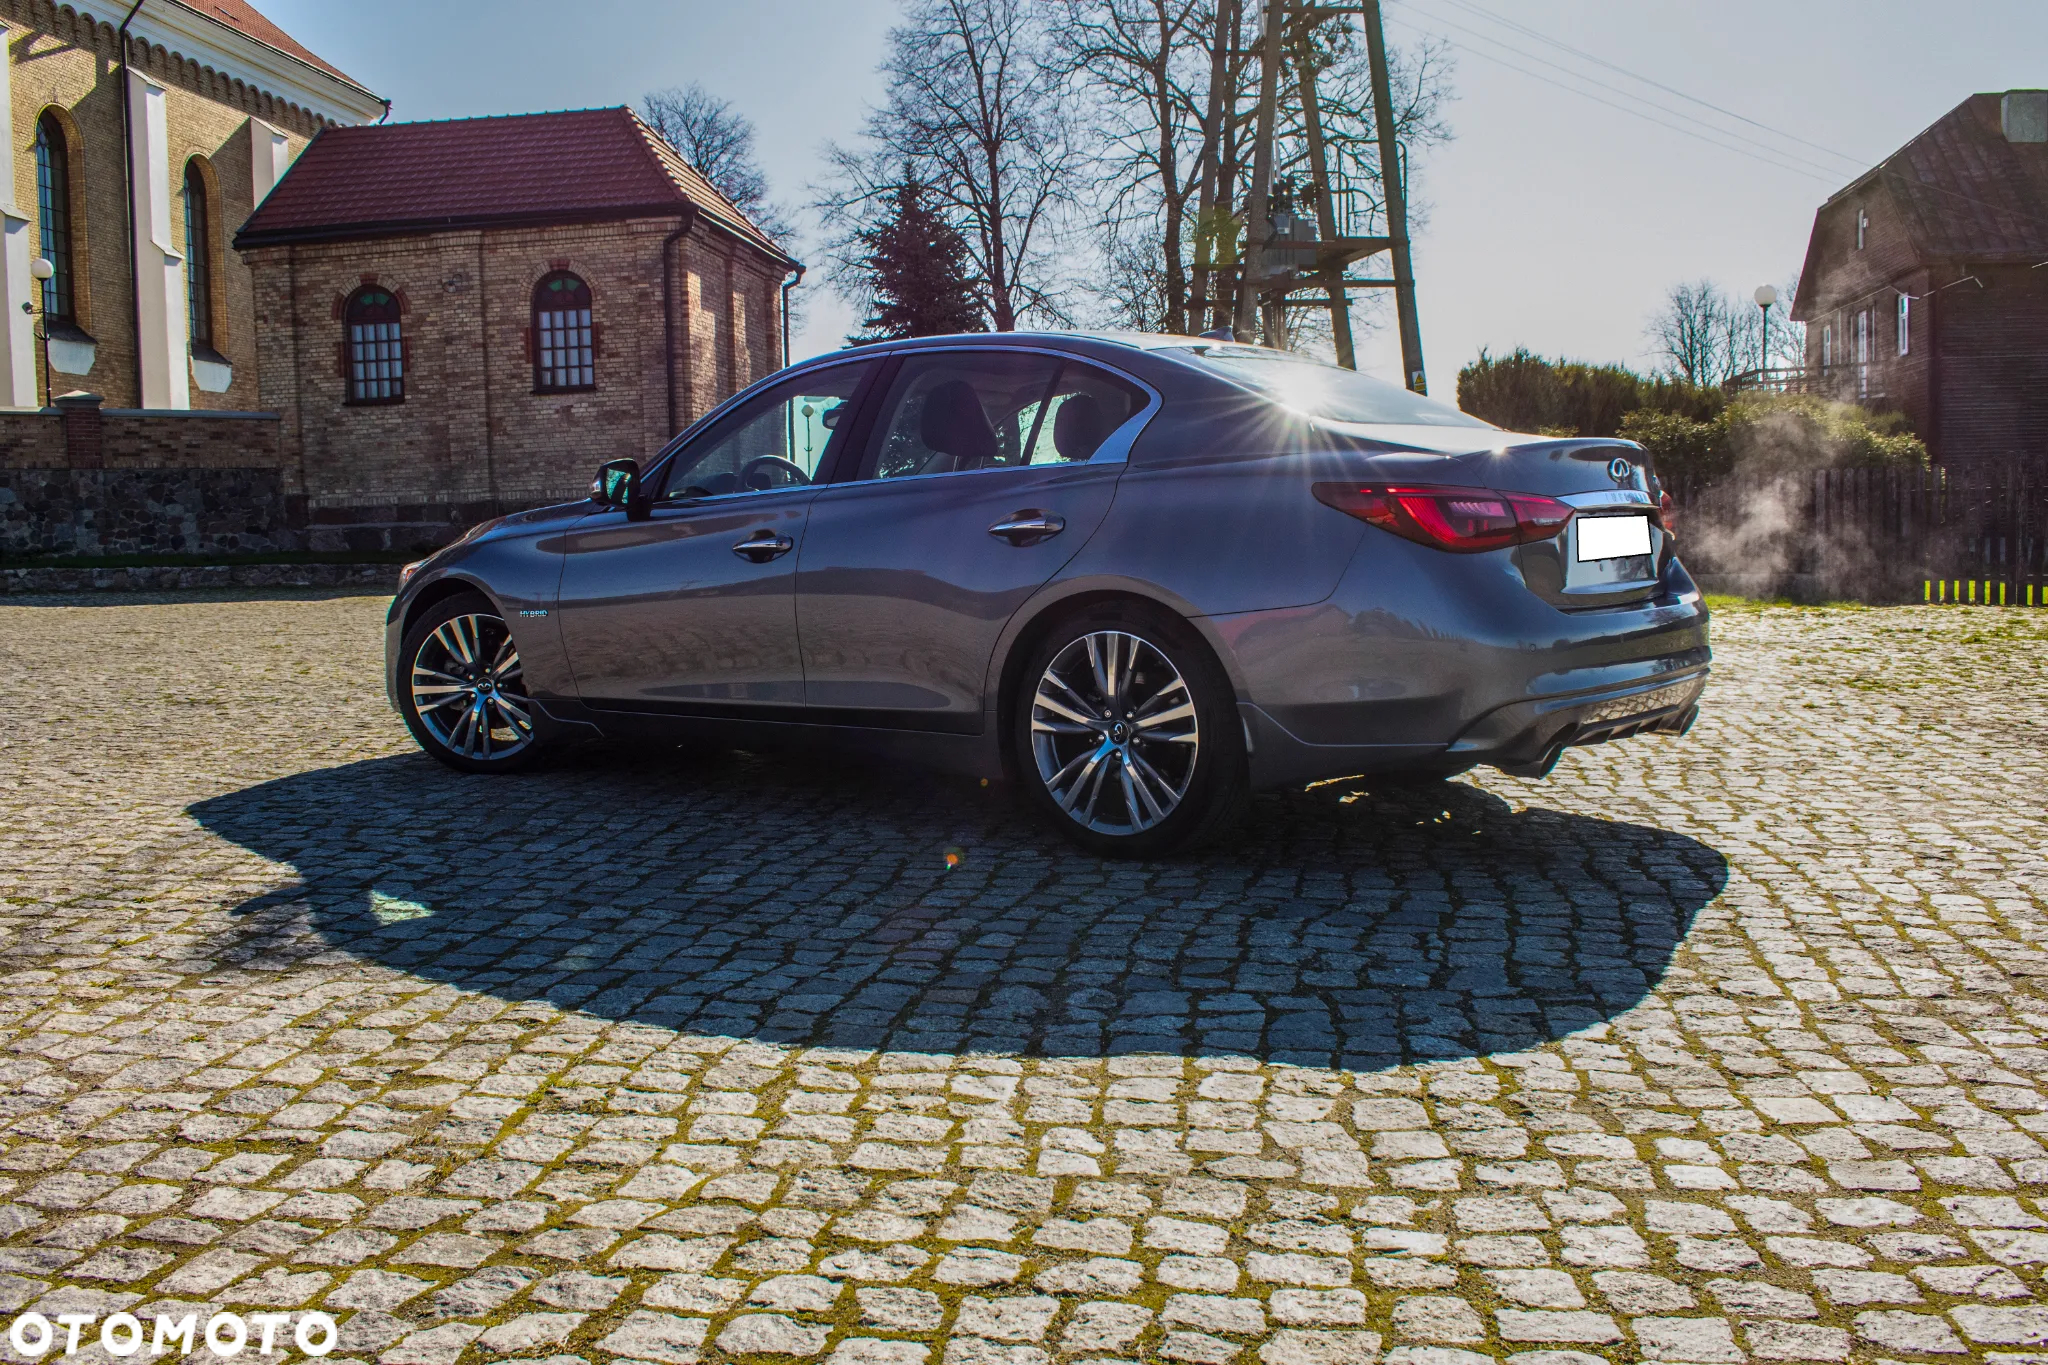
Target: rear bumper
x,y
1526,738
1454,667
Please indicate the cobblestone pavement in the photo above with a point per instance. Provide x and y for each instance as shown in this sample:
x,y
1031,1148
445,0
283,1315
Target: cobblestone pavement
x,y
1708,1050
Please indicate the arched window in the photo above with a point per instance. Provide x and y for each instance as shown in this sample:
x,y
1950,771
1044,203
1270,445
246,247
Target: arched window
x,y
198,257
564,339
53,208
375,347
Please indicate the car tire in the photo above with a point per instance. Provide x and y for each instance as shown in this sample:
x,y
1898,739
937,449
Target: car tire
x,y
461,690
1125,733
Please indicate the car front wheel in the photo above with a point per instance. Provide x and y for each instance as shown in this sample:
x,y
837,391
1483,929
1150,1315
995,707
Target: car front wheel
x,y
1126,733
461,690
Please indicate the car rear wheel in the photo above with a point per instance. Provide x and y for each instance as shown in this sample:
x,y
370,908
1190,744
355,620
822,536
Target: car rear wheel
x,y
462,692
1126,734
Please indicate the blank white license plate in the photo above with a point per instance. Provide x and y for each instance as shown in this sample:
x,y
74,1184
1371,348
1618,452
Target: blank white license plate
x,y
1613,537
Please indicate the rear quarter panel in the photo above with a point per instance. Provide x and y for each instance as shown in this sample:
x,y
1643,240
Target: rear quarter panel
x,y
1226,533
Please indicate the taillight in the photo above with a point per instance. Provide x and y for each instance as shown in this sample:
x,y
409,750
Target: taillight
x,y
1461,520
1667,514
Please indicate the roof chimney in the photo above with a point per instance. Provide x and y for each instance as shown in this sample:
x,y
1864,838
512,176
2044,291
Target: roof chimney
x,y
2024,114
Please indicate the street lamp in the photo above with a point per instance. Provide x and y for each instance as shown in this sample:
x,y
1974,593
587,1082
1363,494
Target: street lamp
x,y
1765,296
42,269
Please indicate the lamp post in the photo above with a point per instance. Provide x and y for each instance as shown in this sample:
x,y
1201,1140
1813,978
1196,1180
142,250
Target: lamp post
x,y
42,270
1765,296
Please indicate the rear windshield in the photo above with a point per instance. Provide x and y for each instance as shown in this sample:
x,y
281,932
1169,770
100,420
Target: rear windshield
x,y
1325,391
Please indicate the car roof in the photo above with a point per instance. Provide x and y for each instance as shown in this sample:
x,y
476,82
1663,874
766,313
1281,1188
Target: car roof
x,y
1136,341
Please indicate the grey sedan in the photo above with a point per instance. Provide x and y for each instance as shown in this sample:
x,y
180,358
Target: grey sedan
x,y
1140,577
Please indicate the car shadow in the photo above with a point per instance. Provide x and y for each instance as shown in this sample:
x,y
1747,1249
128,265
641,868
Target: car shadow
x,y
815,901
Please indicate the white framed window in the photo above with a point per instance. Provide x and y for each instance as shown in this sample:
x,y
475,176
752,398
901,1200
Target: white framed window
x,y
1863,354
1827,347
1862,228
1905,324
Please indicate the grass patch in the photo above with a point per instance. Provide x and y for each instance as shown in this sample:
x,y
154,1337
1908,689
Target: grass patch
x,y
1730,604
211,561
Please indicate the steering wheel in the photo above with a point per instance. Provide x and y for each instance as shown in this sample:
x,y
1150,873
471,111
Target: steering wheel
x,y
796,471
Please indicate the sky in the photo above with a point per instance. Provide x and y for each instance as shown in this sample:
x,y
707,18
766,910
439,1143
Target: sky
x,y
1554,221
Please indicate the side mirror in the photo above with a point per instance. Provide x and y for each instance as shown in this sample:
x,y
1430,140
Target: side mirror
x,y
617,484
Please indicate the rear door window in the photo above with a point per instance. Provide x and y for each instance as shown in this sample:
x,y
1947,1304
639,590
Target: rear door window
x,y
948,412
952,411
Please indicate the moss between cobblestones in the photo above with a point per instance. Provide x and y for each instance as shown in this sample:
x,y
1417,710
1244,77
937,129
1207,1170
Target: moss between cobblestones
x,y
1881,927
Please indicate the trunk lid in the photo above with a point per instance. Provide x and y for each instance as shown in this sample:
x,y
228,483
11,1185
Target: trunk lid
x,y
1613,551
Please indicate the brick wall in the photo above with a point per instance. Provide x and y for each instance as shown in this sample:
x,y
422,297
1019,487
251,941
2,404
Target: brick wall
x,y
472,429
1992,388
133,439
70,62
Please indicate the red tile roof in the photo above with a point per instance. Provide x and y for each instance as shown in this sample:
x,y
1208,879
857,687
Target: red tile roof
x,y
243,17
391,179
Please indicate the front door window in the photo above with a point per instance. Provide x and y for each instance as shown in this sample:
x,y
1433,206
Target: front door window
x,y
780,438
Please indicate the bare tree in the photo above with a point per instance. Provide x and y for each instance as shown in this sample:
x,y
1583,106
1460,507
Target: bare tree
x,y
1144,67
1166,85
974,110
1692,334
718,142
1707,336
1131,292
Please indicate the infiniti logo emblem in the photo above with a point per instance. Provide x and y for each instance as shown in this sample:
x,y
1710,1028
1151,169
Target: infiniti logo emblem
x,y
1620,470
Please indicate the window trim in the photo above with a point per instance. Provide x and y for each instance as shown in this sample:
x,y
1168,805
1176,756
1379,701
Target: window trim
x,y
1905,324
348,357
1862,227
533,334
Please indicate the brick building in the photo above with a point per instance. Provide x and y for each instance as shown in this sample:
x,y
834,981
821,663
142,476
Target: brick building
x,y
189,112
455,316
1925,287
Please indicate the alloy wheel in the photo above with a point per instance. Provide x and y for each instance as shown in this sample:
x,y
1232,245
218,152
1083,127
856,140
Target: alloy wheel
x,y
1114,733
468,690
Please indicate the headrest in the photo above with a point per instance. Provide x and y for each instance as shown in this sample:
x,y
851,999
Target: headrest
x,y
1079,427
954,424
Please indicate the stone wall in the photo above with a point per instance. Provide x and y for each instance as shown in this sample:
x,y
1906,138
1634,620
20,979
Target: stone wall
x,y
105,512
90,482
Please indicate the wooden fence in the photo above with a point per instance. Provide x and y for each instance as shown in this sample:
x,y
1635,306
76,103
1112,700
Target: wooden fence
x,y
1971,535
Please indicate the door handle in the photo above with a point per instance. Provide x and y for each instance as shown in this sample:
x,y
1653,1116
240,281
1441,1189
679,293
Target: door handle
x,y
1029,527
763,546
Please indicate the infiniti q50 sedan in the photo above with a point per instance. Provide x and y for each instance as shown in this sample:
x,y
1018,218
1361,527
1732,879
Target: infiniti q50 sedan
x,y
1140,577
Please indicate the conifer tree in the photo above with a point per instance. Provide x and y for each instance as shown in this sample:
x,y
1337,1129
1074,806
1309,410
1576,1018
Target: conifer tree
x,y
917,268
